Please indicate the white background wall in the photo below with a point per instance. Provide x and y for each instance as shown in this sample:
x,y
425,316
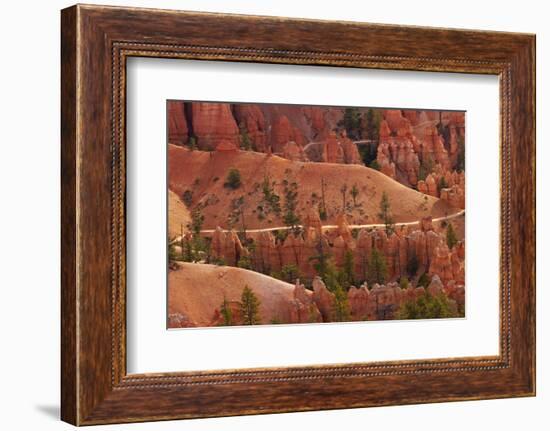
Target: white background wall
x,y
29,215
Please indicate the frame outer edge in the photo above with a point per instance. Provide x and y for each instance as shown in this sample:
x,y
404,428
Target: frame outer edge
x,y
533,53
69,196
532,100
523,217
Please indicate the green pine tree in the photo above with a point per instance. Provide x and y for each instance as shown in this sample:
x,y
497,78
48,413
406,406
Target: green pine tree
x,y
351,122
426,168
442,184
244,262
348,277
288,273
461,159
374,165
290,217
423,281
321,259
340,308
192,143
377,268
412,265
197,220
250,306
344,190
372,120
427,307
226,313
385,213
354,194
233,179
451,236
245,139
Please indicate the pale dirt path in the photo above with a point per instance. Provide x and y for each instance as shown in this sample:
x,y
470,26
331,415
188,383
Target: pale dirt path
x,y
352,226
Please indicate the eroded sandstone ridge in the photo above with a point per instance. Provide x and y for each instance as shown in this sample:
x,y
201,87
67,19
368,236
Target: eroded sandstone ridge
x,y
199,178
427,248
198,291
417,148
413,253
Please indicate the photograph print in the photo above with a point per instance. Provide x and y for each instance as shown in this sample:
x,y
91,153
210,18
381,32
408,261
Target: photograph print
x,y
296,214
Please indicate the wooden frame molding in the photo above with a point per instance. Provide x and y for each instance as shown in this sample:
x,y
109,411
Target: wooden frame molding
x,y
95,43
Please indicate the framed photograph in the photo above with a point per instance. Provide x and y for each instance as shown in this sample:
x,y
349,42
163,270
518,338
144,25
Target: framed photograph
x,y
264,215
